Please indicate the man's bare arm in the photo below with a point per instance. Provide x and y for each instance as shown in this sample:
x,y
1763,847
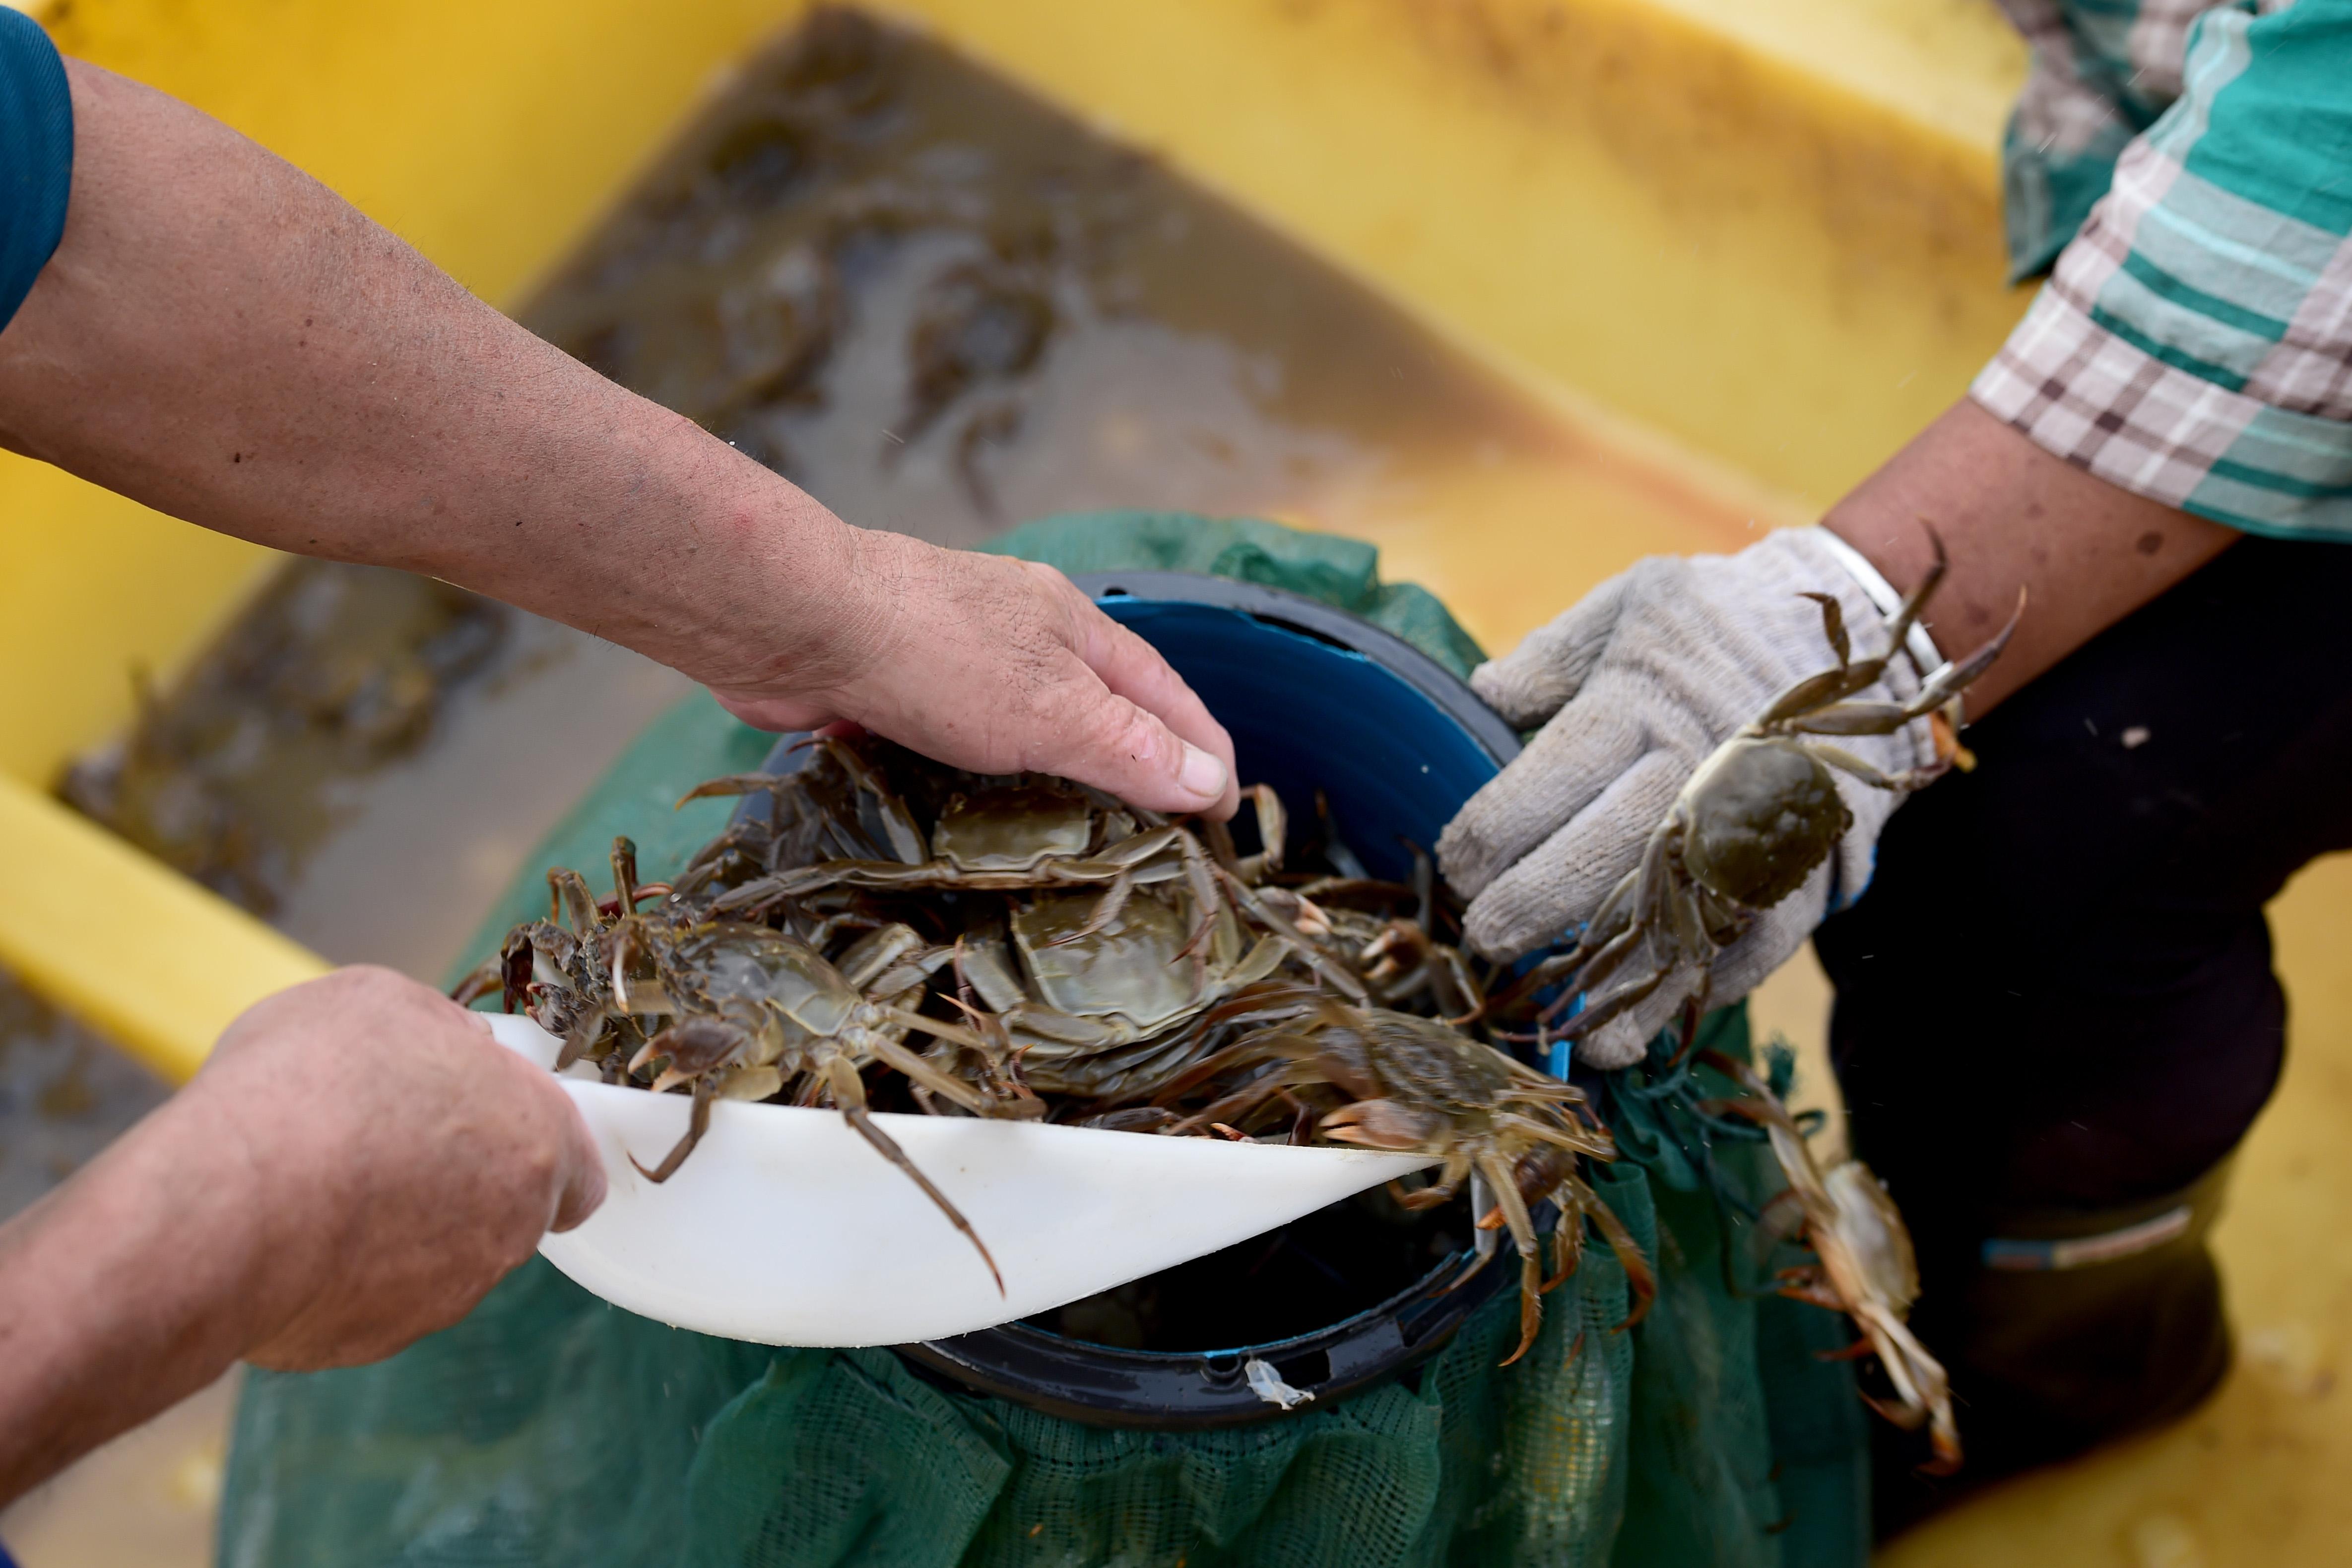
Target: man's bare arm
x,y
356,1164
2014,516
223,338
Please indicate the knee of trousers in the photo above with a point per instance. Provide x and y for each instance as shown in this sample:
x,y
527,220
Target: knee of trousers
x,y
2063,1328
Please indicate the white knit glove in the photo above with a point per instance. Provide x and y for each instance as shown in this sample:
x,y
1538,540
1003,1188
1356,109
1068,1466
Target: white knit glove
x,y
1634,687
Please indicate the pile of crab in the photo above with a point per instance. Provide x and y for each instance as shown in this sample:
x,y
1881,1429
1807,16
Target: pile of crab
x,y
876,932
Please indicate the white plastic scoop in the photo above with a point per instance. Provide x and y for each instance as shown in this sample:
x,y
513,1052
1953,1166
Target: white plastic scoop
x,y
786,1227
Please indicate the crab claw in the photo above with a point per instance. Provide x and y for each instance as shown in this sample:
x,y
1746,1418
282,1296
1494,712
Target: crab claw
x,y
1380,1124
694,1047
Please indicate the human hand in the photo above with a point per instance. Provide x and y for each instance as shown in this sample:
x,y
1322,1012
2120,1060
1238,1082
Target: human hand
x,y
357,1163
999,666
403,1162
1634,687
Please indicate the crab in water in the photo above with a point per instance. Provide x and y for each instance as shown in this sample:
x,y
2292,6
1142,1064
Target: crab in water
x,y
1865,1268
1752,823
1416,1085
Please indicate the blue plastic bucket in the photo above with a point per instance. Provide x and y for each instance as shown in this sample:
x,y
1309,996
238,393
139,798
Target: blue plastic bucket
x,y
1316,700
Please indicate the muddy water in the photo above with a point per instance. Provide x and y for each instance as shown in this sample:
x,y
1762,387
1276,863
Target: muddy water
x,y
943,306
940,306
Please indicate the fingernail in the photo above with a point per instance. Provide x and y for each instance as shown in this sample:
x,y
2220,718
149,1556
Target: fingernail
x,y
1204,775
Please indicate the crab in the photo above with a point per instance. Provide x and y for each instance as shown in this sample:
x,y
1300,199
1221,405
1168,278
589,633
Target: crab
x,y
1091,987
1866,1268
558,971
1001,834
1097,1011
835,805
1752,823
753,1011
735,1010
1416,1085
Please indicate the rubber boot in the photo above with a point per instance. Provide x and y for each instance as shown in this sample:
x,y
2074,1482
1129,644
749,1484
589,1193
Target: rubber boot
x,y
2062,1331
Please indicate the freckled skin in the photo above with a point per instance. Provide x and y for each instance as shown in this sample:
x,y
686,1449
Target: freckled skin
x,y
2013,515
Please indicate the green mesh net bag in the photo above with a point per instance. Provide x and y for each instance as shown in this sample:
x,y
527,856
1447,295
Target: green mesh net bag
x,y
551,1427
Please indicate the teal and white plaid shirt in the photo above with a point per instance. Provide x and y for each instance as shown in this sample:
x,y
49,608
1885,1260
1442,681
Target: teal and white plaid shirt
x,y
2189,168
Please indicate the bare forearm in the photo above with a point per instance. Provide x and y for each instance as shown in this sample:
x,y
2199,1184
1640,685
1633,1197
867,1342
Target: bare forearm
x,y
223,338
121,1294
356,1164
2012,515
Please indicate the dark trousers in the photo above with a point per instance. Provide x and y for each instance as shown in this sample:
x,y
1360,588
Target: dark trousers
x,y
2056,1015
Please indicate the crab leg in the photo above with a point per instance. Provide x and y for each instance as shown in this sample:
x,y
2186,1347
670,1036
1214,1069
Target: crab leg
x,y
1953,678
1558,1139
1641,1280
849,1094
705,1089
1900,627
1645,887
1499,1176
1106,910
1448,1182
922,1024
1257,909
891,1054
624,873
739,783
1272,826
1612,1005
568,894
1834,626
1844,761
1817,691
1247,1098
1262,1047
488,976
585,1031
1559,967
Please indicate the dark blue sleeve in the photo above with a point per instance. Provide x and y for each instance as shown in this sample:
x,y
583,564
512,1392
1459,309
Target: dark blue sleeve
x,y
35,155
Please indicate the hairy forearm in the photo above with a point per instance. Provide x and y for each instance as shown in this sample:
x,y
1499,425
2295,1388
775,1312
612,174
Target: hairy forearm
x,y
2014,516
223,338
125,1290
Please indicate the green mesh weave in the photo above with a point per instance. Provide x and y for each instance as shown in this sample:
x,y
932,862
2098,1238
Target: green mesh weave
x,y
552,1428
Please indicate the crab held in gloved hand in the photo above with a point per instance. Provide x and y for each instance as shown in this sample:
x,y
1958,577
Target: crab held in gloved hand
x,y
1679,814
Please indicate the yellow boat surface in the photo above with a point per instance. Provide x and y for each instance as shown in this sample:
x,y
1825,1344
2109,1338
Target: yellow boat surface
x,y
1738,250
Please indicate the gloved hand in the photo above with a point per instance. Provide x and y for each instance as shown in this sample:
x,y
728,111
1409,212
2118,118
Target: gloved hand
x,y
1634,687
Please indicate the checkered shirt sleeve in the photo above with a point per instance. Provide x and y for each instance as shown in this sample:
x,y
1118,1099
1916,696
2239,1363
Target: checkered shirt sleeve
x,y
2194,342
